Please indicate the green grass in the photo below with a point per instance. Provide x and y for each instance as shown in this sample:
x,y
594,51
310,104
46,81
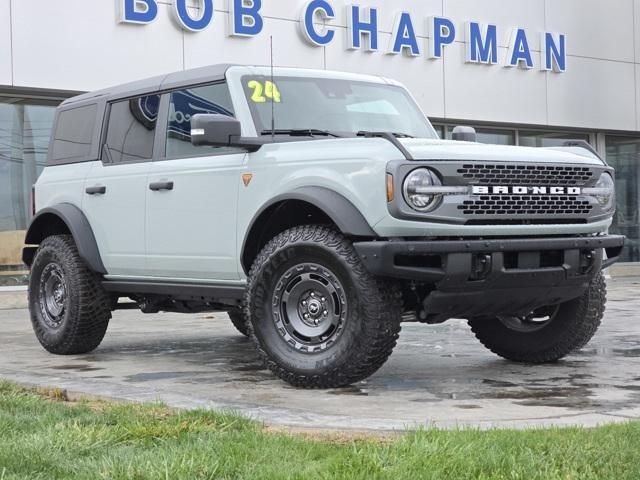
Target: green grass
x,y
42,437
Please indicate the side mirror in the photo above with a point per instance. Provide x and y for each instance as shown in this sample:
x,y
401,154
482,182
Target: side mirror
x,y
214,130
464,134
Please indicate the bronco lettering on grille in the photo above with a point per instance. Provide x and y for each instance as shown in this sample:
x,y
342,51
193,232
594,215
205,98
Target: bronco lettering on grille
x,y
522,190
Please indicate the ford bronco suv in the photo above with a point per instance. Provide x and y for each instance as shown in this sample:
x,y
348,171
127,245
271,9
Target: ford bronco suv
x,y
319,209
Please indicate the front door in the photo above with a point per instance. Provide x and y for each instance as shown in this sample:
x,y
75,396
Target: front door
x,y
115,189
192,196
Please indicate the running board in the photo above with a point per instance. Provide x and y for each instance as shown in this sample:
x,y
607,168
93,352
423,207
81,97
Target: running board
x,y
231,294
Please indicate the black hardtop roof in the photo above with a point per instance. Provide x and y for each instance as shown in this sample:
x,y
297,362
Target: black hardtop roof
x,y
165,82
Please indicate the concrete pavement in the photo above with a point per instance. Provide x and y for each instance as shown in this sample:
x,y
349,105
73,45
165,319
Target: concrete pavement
x,y
437,376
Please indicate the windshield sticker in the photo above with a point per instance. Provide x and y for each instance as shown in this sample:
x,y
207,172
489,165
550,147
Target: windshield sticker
x,y
263,92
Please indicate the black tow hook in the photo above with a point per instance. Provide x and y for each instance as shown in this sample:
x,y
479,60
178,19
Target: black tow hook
x,y
481,264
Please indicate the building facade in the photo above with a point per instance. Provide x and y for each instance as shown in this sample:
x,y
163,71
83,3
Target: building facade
x,y
523,72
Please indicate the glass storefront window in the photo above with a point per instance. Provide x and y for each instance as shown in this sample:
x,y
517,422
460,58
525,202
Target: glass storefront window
x,y
623,154
492,136
549,139
440,130
496,137
25,128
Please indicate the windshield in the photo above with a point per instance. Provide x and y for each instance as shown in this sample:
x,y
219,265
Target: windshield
x,y
318,105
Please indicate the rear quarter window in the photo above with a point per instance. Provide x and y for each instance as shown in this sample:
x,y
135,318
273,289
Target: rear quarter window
x,y
74,134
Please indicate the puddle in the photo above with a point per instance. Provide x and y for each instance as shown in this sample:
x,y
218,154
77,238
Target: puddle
x,y
252,367
498,383
534,393
630,388
77,368
632,352
151,377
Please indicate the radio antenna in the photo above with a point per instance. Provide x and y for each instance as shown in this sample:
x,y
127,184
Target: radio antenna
x,y
273,100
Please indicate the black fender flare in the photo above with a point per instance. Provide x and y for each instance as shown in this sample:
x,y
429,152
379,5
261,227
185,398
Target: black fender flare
x,y
76,223
339,209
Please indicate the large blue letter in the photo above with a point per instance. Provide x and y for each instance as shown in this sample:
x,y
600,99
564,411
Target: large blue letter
x,y
138,11
245,20
324,10
442,32
519,51
357,27
482,43
555,52
193,24
403,36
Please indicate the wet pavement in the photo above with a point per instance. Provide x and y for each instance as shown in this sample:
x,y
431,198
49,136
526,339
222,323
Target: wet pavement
x,y
438,375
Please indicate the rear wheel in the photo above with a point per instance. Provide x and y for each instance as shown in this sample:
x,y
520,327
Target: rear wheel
x,y
70,311
239,321
318,318
548,334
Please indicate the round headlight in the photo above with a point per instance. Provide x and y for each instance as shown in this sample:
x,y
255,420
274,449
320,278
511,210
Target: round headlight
x,y
416,190
607,191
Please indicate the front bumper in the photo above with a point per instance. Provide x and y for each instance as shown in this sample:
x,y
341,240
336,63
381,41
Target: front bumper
x,y
491,277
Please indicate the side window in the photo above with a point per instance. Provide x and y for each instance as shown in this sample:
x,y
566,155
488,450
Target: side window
x,y
131,130
186,103
74,133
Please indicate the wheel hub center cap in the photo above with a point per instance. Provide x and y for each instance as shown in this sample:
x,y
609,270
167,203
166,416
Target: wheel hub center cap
x,y
314,307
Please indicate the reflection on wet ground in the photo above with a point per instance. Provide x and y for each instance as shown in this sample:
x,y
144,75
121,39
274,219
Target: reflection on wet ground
x,y
439,374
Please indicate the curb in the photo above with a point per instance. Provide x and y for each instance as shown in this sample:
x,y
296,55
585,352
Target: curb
x,y
13,299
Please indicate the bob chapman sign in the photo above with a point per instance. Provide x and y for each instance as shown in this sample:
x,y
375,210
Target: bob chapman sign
x,y
363,25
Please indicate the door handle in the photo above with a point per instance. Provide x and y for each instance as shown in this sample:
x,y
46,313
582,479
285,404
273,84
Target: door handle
x,y
161,186
97,190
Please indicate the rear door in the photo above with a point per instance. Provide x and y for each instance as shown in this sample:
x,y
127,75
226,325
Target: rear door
x,y
192,194
115,189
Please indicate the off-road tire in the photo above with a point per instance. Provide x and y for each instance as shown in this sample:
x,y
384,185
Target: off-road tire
x,y
372,319
87,307
239,321
573,327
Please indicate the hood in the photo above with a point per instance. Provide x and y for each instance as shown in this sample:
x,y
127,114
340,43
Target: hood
x,y
425,149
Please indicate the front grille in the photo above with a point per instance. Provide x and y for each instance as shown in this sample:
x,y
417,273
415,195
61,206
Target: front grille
x,y
507,174
530,205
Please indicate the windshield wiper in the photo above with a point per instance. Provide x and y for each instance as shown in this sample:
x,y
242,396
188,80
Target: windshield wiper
x,y
365,133
303,132
392,138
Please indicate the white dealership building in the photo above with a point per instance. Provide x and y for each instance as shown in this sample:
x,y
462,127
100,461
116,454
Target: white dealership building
x,y
525,72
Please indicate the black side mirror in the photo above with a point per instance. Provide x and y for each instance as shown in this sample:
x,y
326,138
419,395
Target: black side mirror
x,y
464,134
214,130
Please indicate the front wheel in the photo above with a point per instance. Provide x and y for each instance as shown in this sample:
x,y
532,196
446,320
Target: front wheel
x,y
548,334
317,317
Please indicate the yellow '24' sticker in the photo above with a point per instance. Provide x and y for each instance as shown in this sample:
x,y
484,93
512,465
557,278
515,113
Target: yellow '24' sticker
x,y
264,91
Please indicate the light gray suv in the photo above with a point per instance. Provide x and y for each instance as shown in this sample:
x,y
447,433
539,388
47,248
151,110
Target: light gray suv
x,y
321,210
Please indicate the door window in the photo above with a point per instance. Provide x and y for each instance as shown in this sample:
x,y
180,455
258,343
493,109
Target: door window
x,y
73,134
183,105
131,130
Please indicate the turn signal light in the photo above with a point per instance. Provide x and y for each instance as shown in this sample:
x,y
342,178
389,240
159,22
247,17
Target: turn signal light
x,y
390,190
